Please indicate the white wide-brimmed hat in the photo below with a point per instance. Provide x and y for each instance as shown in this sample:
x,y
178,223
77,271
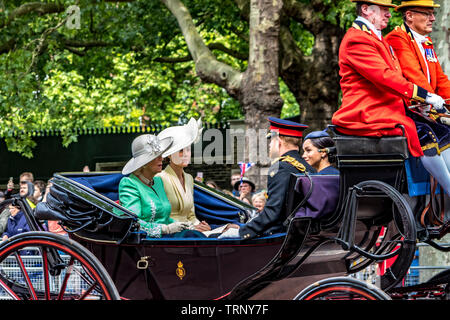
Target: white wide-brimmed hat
x,y
146,148
183,136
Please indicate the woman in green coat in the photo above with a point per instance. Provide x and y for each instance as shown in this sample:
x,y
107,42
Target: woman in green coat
x,y
143,193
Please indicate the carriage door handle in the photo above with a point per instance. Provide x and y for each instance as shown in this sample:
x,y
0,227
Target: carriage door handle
x,y
144,262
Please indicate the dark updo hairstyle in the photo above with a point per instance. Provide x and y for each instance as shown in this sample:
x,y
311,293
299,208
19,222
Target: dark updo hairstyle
x,y
326,143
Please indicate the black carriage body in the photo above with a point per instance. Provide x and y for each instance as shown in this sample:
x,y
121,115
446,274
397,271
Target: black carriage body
x,y
366,159
271,267
171,268
158,268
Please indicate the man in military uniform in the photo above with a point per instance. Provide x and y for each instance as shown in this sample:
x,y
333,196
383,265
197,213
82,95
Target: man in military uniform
x,y
285,141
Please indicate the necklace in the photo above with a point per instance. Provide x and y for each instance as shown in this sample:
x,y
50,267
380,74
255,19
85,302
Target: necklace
x,y
146,181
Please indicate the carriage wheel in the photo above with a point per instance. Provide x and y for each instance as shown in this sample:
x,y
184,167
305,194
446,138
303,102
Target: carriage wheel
x,y
341,288
47,266
397,237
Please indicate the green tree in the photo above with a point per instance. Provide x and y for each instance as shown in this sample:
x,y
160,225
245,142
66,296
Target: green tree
x,y
134,61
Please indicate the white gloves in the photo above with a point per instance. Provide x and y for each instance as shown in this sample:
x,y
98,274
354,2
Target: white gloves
x,y
436,101
174,227
230,233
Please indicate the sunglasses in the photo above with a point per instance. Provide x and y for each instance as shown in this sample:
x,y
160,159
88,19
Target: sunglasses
x,y
428,14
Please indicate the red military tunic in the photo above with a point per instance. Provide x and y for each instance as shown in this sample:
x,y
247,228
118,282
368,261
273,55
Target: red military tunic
x,y
413,65
373,89
434,136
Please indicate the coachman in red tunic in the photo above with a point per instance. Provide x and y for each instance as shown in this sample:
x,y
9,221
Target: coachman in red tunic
x,y
374,88
375,91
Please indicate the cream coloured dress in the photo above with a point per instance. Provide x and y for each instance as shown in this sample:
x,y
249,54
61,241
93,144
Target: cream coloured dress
x,y
181,199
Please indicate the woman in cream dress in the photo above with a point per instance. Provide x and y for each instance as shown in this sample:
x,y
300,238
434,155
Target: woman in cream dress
x,y
179,185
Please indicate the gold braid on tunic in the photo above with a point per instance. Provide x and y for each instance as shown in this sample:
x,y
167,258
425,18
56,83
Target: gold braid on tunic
x,y
300,167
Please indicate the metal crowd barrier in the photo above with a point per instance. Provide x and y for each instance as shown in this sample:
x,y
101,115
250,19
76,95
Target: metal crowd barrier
x,y
32,262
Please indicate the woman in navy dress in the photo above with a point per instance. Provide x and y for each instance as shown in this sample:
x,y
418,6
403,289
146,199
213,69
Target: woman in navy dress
x,y
316,148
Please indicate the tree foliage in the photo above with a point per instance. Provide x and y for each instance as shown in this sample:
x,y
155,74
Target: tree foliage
x,y
129,62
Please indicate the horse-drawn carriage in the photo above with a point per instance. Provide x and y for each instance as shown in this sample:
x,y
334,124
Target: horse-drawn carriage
x,y
336,225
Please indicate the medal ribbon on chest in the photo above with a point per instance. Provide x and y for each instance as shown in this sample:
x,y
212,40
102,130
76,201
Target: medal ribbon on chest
x,y
429,51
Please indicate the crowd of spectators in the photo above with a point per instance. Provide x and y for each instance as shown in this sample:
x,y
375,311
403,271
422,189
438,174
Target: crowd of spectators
x,y
12,218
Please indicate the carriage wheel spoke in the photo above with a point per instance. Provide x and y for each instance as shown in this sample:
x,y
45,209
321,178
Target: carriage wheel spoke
x,y
65,270
26,276
88,291
9,290
88,278
390,244
69,270
46,274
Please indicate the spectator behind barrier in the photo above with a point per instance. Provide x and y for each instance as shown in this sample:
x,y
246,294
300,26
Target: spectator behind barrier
x,y
246,189
259,201
17,223
39,190
26,191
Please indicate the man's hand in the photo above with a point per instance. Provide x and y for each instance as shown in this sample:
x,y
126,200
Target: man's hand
x,y
230,233
231,226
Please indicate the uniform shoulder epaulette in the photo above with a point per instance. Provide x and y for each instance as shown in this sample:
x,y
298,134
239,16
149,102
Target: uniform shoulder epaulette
x,y
300,167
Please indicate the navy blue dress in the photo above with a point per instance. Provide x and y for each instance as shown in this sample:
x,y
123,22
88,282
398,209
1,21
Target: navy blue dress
x,y
329,170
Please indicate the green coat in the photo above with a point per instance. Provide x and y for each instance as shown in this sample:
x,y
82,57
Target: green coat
x,y
150,204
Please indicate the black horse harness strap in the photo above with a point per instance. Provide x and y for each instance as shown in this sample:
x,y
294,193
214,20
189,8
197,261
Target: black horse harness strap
x,y
429,210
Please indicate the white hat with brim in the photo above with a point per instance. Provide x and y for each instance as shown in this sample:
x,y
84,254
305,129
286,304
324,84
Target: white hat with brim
x,y
145,148
183,136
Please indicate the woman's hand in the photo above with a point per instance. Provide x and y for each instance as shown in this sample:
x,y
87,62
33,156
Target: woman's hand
x,y
174,227
202,226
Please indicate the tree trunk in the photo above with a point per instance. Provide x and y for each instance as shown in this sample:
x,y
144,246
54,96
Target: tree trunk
x,y
260,94
317,89
257,89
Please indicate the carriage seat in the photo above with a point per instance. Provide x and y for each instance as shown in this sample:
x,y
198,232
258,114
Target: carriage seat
x,y
353,150
361,158
366,146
